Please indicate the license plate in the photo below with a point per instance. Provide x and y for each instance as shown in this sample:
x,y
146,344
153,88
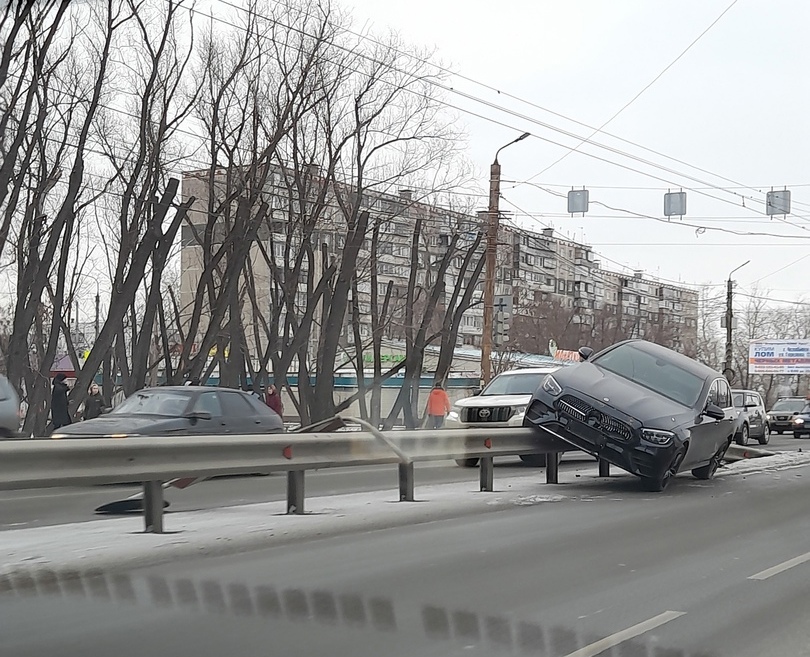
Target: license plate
x,y
586,433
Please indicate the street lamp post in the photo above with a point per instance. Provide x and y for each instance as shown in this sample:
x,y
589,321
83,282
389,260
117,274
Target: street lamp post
x,y
491,252
727,371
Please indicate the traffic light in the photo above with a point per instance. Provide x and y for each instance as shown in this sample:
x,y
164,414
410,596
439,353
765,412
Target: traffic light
x,y
502,325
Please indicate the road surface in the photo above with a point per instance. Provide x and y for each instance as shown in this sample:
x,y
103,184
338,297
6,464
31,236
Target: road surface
x,y
707,569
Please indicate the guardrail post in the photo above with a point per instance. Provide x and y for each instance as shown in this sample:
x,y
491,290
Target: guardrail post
x,y
295,492
406,482
153,506
604,468
487,473
553,468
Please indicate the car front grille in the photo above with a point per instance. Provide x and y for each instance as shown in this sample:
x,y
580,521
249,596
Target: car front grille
x,y
583,412
486,414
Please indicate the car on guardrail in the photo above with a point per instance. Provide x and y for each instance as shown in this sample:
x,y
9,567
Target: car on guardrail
x,y
501,403
180,411
645,408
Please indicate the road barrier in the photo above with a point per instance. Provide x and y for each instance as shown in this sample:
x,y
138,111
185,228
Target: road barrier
x,y
154,460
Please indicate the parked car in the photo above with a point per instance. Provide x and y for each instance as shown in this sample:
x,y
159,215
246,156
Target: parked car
x,y
180,411
9,410
645,408
780,417
754,419
801,421
501,403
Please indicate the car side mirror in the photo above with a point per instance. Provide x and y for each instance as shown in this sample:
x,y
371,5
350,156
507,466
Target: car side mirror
x,y
477,392
585,352
198,415
715,412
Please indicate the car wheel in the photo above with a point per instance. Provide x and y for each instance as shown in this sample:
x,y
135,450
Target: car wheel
x,y
467,463
657,484
707,471
765,437
534,460
744,435
797,435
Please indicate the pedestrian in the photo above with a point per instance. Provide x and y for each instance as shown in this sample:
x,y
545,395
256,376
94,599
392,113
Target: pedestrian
x,y
438,406
94,405
273,400
59,402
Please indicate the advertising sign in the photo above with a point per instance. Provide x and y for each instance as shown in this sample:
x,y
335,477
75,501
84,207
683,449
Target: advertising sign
x,y
779,357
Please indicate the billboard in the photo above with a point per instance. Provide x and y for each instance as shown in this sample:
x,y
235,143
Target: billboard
x,y
779,357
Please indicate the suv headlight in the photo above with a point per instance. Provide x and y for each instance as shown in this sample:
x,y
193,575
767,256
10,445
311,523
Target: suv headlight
x,y
798,420
551,386
657,437
519,410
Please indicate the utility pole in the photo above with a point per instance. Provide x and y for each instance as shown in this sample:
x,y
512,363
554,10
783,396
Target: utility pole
x,y
491,253
95,325
728,372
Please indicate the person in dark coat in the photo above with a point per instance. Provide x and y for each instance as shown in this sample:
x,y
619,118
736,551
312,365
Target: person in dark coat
x,y
273,400
94,405
59,402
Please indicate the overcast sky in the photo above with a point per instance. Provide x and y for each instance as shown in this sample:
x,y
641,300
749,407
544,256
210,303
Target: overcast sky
x,y
736,104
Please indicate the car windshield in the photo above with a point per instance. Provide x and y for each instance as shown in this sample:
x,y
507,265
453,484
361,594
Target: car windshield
x,y
156,402
515,384
789,405
657,374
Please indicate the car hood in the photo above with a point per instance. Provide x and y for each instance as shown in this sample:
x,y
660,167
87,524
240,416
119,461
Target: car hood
x,y
494,400
111,425
651,409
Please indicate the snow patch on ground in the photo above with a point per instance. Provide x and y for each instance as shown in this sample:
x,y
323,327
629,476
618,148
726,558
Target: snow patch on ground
x,y
779,461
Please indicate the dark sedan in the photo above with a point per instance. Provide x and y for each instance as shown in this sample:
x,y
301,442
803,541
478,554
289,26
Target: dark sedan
x,y
643,407
180,411
801,421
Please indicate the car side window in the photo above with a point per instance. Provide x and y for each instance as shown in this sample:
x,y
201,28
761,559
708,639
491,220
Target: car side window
x,y
752,400
208,402
714,394
723,394
236,405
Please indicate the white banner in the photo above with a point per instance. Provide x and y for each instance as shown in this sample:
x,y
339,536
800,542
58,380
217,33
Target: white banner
x,y
779,357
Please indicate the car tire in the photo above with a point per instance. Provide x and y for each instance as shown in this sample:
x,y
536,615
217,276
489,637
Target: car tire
x,y
658,484
707,471
797,435
744,436
765,438
467,463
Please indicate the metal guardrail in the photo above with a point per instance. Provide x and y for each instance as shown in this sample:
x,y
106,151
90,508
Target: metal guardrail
x,y
154,460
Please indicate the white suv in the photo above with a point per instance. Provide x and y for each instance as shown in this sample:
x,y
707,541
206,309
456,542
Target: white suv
x,y
501,404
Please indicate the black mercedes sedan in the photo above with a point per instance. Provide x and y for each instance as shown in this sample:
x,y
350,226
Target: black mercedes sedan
x,y
180,411
645,408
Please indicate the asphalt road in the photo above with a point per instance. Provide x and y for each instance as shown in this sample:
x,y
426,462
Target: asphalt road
x,y
707,569
54,506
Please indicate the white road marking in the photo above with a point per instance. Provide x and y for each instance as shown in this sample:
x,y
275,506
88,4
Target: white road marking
x,y
782,567
631,632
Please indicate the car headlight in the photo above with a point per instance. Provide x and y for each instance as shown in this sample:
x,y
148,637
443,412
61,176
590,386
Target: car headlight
x,y
768,416
519,410
657,437
551,386
58,436
798,420
453,414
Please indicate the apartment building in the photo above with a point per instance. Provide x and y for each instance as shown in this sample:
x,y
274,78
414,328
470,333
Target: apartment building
x,y
557,282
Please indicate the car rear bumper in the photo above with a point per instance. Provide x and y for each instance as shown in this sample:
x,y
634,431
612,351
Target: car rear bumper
x,y
634,456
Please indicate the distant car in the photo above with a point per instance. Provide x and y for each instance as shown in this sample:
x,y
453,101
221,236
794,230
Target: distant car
x,y
640,406
780,417
754,419
801,421
180,411
501,403
9,410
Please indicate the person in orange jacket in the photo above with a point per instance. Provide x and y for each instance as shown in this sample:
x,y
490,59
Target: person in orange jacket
x,y
438,406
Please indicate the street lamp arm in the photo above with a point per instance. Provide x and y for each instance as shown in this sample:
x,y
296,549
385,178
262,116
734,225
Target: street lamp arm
x,y
514,141
738,268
